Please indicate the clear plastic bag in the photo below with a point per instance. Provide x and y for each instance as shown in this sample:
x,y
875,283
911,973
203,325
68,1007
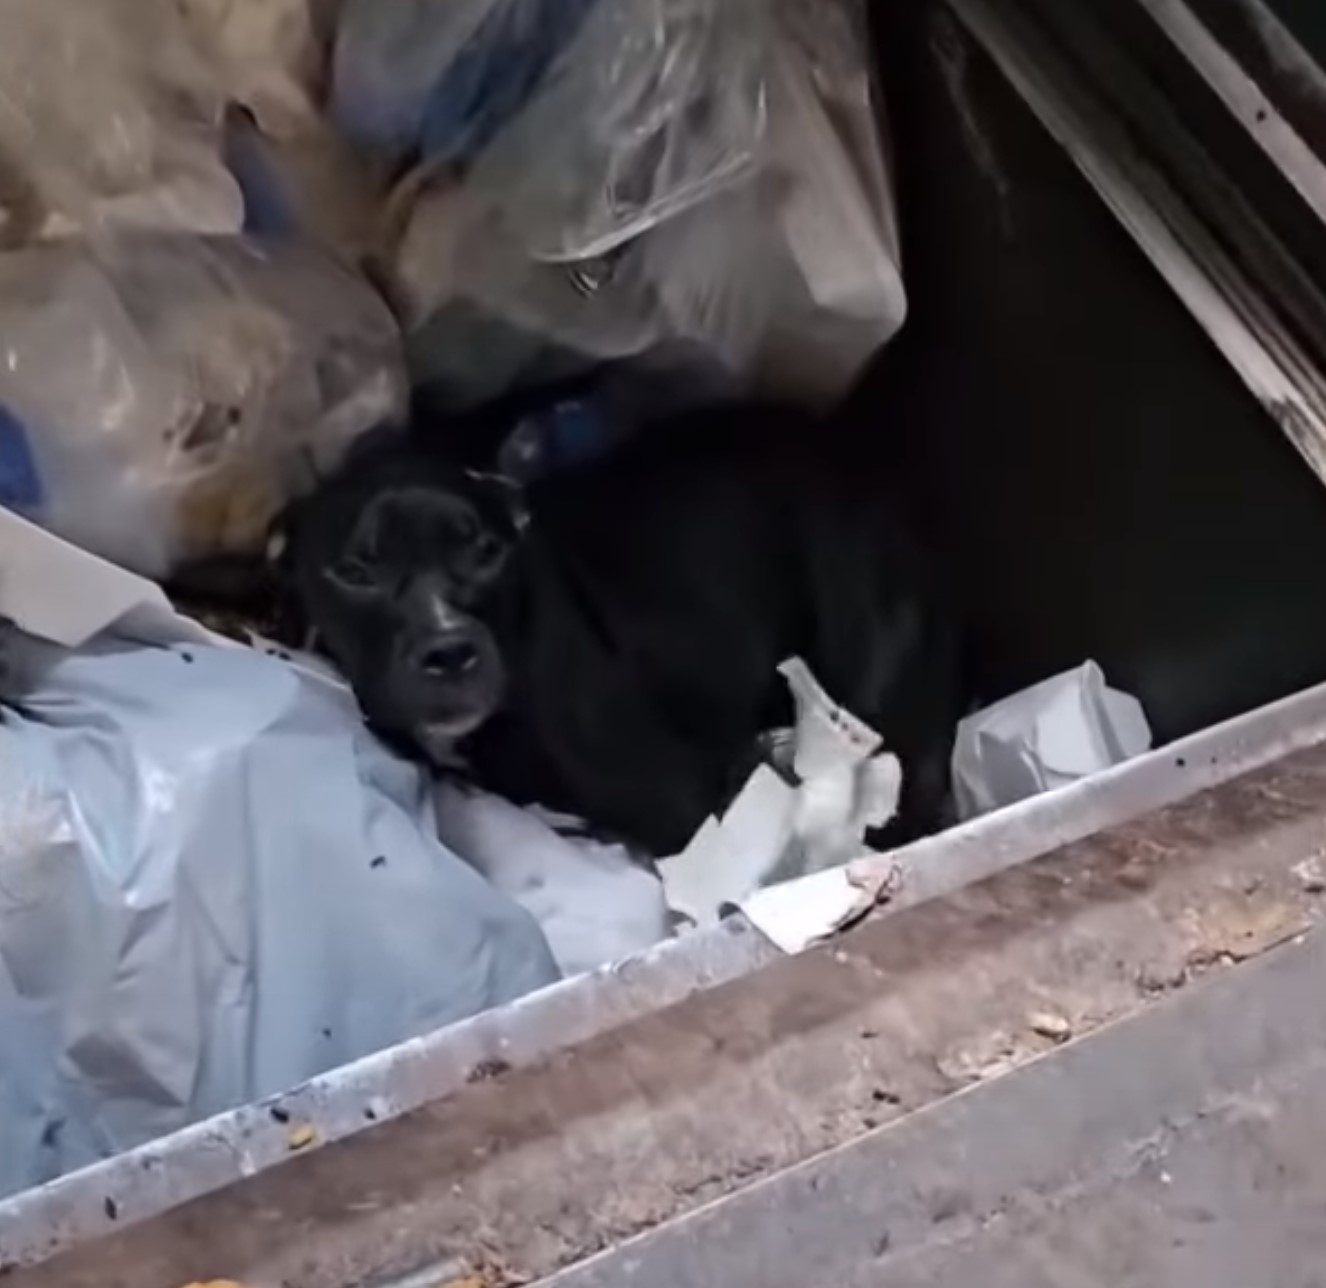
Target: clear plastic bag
x,y
665,103
439,77
108,118
311,186
485,316
658,104
272,56
162,397
691,170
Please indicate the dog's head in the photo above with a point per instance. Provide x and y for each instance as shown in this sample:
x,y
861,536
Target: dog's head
x,y
389,561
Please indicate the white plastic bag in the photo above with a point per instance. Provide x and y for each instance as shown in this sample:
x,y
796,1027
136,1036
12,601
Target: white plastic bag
x,y
1057,732
214,885
596,902
162,397
109,118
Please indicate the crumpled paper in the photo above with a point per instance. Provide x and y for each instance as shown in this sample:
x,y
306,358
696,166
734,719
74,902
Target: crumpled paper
x,y
1055,733
835,786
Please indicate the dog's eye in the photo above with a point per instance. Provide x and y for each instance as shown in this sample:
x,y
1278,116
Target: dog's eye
x,y
354,574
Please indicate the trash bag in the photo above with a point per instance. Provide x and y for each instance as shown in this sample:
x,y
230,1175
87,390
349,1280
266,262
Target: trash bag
x,y
1055,733
214,885
272,56
441,76
161,398
687,170
109,119
667,98
311,186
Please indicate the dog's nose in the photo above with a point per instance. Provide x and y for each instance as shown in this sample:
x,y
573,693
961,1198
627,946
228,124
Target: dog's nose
x,y
447,657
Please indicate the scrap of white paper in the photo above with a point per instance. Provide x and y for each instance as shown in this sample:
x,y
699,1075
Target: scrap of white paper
x,y
60,593
729,859
798,914
775,832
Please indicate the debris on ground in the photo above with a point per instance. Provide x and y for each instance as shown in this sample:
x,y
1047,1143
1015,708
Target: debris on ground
x,y
1233,931
1311,875
1162,977
1048,1024
993,1056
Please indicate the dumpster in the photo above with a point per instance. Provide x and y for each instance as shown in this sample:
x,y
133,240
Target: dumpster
x,y
1078,1039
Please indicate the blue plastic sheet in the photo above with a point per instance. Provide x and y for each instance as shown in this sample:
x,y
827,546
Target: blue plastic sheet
x,y
214,884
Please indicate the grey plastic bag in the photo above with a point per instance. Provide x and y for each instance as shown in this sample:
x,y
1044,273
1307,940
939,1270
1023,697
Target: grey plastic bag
x,y
214,884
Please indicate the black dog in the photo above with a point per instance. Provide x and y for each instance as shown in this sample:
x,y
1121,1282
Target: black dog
x,y
606,644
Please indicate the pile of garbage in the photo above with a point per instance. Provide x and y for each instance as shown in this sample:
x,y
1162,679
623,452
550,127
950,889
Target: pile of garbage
x,y
237,237
195,198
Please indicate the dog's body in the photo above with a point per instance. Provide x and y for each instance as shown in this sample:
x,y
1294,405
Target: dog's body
x,y
635,630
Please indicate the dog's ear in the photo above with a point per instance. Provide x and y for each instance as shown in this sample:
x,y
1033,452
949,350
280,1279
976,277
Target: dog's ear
x,y
508,494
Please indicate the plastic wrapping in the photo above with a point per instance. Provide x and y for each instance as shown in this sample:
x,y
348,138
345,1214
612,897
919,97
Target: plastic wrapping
x,y
309,186
162,397
688,170
668,103
483,316
441,76
109,119
1052,734
664,100
214,884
